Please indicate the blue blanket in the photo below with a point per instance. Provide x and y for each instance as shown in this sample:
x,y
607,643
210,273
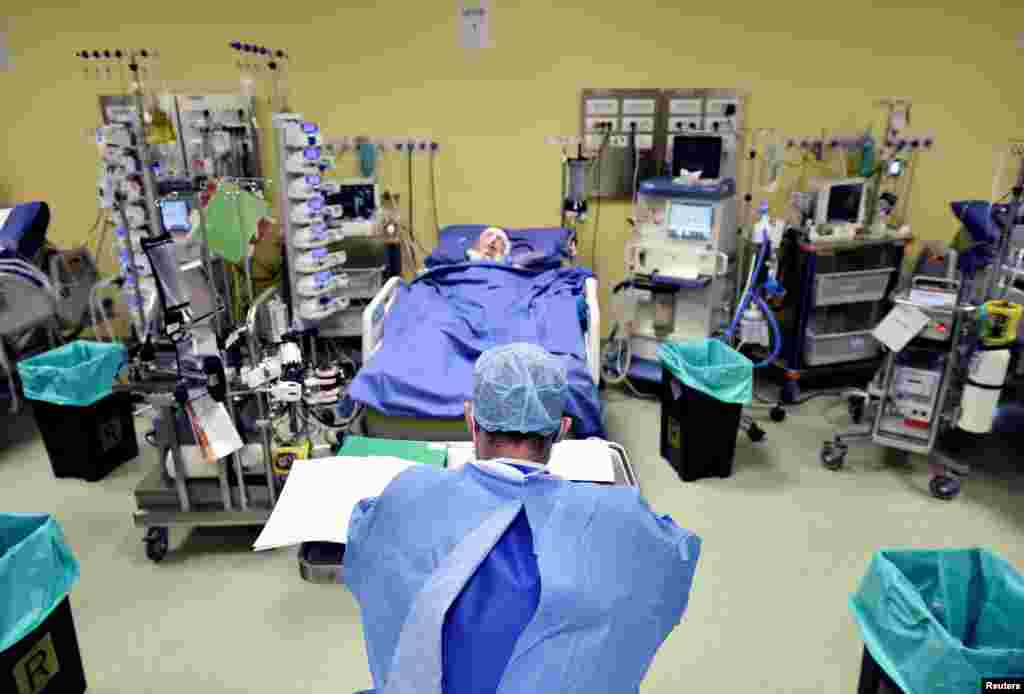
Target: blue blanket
x,y
446,318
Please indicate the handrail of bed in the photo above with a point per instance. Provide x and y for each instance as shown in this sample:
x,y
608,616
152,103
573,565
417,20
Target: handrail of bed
x,y
592,337
373,317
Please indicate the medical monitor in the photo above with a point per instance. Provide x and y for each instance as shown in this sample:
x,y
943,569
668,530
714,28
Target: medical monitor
x,y
841,201
697,153
175,215
360,198
690,221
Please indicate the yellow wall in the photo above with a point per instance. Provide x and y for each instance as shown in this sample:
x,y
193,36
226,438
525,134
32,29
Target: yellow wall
x,y
397,68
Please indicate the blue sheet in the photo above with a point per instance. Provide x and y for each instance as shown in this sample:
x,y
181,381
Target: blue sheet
x,y
538,249
446,318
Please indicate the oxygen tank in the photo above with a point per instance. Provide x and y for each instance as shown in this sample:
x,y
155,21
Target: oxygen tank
x,y
986,375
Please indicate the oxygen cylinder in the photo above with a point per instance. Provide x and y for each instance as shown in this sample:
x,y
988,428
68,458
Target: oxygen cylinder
x,y
986,375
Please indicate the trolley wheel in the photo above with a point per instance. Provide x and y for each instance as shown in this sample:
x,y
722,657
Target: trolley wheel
x,y
157,542
755,433
944,487
856,407
778,414
833,455
790,392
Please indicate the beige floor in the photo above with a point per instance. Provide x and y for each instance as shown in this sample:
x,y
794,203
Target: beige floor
x,y
785,541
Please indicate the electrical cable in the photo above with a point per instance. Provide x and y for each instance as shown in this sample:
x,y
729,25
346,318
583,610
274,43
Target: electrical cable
x,y
597,212
433,190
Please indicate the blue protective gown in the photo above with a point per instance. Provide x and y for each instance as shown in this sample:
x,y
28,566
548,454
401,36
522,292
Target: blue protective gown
x,y
614,580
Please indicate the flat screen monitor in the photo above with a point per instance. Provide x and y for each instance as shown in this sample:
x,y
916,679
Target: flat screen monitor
x,y
358,200
690,222
697,153
845,202
174,214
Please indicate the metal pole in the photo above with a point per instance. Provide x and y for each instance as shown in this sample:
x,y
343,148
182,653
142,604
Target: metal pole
x,y
204,252
148,184
179,464
133,272
1004,238
236,458
264,425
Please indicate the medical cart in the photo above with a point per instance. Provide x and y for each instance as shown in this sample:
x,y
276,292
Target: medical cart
x,y
835,295
910,401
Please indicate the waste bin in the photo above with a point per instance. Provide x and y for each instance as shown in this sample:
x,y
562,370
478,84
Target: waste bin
x,y
39,651
87,430
940,621
704,385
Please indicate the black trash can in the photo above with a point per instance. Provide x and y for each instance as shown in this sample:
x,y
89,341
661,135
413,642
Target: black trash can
x,y
698,432
39,652
88,442
88,431
700,414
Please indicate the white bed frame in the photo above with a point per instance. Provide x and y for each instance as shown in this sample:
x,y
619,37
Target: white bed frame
x,y
375,312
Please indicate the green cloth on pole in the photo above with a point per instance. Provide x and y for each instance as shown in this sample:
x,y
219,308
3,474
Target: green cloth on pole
x,y
232,219
435,454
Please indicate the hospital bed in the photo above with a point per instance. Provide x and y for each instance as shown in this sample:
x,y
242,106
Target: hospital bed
x,y
321,562
411,388
33,304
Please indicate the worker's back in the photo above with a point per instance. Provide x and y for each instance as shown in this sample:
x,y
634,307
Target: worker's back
x,y
443,562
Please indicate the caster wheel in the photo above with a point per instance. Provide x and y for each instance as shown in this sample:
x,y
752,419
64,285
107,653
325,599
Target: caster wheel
x,y
157,542
855,407
778,414
755,433
945,488
790,392
833,455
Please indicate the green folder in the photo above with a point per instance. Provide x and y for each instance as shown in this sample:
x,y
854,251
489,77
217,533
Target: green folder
x,y
435,454
231,222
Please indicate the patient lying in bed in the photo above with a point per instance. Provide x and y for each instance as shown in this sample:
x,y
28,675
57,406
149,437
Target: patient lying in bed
x,y
492,245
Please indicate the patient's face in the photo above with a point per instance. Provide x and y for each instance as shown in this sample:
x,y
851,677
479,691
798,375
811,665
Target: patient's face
x,y
492,244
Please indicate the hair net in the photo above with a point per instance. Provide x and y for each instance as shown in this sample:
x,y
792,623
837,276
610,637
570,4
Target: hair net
x,y
519,387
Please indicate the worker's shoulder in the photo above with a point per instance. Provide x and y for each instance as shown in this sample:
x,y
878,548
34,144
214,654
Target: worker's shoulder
x,y
625,506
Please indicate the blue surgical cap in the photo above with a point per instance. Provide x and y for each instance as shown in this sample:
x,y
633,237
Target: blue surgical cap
x,y
519,387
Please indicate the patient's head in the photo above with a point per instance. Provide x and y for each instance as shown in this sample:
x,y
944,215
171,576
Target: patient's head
x,y
518,405
492,244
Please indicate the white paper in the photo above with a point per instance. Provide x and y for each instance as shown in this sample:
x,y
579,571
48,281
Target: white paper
x,y
476,19
900,327
585,460
4,214
214,420
317,500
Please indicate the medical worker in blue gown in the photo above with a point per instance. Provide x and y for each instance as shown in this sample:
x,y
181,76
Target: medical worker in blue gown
x,y
502,577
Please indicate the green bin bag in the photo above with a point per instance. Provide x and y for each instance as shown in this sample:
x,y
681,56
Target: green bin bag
x,y
79,373
37,570
712,367
941,620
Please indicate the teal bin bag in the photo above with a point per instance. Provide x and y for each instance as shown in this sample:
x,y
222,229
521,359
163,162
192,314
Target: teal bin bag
x,y
941,620
37,570
712,367
79,373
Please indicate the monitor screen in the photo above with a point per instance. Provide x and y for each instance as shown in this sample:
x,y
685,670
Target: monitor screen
x,y
690,222
174,214
697,153
358,200
844,203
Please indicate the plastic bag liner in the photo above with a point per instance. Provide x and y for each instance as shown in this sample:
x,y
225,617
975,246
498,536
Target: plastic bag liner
x,y
79,373
712,367
37,570
940,620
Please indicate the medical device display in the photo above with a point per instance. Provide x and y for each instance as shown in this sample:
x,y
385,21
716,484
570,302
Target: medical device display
x,y
701,153
840,201
175,215
357,207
